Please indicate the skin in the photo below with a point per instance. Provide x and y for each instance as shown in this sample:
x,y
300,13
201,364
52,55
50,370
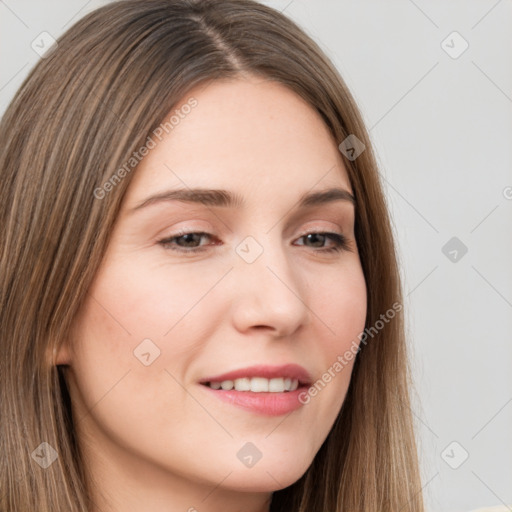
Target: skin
x,y
153,437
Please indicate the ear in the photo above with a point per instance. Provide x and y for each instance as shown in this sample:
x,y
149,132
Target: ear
x,y
61,355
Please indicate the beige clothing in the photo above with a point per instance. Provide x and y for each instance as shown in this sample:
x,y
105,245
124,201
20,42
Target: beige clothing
x,y
501,508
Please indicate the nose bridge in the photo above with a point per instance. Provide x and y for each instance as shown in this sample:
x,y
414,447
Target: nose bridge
x,y
269,286
262,253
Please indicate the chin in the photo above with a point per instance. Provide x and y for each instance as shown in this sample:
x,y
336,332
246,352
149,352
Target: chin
x,y
268,478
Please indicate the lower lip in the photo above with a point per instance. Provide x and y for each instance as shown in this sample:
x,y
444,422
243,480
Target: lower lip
x,y
269,404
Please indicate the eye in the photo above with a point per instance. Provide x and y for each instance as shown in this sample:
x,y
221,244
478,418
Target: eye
x,y
191,242
318,237
186,242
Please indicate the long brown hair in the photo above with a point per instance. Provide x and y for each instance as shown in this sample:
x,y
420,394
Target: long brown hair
x,y
77,118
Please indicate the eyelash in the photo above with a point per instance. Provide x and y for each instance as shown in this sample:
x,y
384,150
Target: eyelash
x,y
340,241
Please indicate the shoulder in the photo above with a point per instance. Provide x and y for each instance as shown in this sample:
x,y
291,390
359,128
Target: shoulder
x,y
501,508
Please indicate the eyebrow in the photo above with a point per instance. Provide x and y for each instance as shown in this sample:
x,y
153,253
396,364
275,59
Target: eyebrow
x,y
225,198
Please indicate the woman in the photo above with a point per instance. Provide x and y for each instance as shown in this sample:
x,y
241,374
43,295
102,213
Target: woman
x,y
201,306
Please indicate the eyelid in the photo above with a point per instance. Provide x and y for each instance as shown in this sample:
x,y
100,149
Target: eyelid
x,y
189,228
341,242
207,231
321,228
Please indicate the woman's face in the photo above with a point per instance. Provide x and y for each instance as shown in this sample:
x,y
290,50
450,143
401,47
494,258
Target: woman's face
x,y
168,311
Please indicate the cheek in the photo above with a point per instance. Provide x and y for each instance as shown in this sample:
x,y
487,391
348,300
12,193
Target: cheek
x,y
136,315
127,398
339,305
151,301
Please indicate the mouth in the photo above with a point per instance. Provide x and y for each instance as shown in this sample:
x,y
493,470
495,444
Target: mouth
x,y
265,390
261,379
257,384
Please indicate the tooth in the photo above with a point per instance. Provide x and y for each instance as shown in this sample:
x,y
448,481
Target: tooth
x,y
276,385
243,384
227,385
259,384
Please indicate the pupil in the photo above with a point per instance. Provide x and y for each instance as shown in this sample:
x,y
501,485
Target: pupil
x,y
314,235
189,238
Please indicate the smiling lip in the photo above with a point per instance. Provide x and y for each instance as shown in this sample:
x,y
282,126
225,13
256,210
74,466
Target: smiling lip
x,y
268,404
291,371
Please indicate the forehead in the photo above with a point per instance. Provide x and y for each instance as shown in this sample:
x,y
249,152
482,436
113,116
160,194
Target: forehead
x,y
252,135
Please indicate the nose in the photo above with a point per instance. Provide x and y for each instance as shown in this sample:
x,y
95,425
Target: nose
x,y
270,293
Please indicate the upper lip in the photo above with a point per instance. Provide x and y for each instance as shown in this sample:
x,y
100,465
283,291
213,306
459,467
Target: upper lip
x,y
291,371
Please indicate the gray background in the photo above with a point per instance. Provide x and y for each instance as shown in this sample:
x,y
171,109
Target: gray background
x,y
441,125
